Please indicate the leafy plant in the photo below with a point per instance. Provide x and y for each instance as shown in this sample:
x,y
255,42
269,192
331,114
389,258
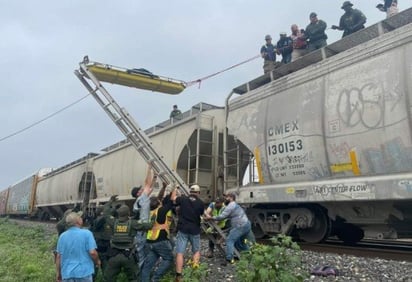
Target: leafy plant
x,y
280,261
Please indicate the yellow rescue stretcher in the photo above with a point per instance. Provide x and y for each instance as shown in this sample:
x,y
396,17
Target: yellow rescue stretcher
x,y
138,78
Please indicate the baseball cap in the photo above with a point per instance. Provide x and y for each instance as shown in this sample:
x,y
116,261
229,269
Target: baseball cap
x,y
267,37
195,188
135,190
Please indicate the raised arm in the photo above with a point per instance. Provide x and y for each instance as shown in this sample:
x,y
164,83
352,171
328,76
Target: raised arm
x,y
147,189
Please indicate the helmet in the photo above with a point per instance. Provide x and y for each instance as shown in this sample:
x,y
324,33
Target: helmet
x,y
123,212
267,37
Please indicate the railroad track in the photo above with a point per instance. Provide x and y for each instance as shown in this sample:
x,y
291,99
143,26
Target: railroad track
x,y
389,250
398,250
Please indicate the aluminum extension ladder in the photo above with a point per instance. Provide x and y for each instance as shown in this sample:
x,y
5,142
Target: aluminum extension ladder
x,y
138,138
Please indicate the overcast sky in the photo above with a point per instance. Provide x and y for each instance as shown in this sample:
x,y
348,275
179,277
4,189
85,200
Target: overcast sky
x,y
43,41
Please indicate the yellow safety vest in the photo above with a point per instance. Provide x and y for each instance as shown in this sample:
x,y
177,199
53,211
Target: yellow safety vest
x,y
153,233
216,212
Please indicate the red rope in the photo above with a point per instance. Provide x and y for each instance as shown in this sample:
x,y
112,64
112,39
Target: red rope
x,y
199,81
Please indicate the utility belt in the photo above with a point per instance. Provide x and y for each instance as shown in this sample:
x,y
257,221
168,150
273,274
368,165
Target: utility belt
x,y
114,252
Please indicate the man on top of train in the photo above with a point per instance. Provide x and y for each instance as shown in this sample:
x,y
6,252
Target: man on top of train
x,y
351,21
315,33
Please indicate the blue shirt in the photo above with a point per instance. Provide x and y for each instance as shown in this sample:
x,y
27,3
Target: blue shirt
x,y
74,246
142,204
235,213
270,51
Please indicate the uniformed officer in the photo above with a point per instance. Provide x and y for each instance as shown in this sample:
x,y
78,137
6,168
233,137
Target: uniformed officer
x,y
122,244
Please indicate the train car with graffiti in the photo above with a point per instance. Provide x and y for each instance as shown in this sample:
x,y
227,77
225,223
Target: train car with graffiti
x,y
3,201
333,139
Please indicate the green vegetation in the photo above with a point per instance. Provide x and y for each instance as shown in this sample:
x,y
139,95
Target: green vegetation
x,y
271,263
27,253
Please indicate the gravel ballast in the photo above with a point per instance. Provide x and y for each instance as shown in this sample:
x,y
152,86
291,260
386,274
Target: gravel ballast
x,y
350,268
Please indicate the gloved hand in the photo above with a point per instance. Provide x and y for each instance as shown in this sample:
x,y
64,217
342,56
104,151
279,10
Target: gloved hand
x,y
335,27
113,198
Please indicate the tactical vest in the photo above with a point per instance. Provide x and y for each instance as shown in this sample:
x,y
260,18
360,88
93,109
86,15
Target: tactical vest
x,y
153,233
122,237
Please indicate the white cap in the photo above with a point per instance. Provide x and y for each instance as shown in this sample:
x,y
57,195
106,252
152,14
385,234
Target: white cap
x,y
195,188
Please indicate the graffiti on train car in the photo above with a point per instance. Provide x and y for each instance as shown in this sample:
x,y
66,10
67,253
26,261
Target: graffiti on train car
x,y
353,102
390,156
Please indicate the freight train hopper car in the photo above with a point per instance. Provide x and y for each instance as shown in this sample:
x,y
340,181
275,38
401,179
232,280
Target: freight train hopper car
x,y
332,136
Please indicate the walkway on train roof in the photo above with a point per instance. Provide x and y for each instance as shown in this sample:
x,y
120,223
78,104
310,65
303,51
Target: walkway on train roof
x,y
364,35
194,110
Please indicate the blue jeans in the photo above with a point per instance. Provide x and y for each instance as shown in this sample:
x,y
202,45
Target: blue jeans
x,y
84,279
237,236
140,248
162,249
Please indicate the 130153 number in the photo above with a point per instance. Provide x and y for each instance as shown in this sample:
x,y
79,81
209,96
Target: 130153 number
x,y
286,147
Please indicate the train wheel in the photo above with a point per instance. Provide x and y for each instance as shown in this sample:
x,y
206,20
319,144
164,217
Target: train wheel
x,y
319,231
257,231
45,217
350,234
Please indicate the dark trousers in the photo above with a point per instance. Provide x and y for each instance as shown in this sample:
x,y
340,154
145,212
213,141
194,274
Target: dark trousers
x,y
118,262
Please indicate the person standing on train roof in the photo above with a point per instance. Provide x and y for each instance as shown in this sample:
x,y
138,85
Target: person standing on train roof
x,y
284,47
142,207
175,113
315,33
268,53
351,21
76,252
390,7
299,42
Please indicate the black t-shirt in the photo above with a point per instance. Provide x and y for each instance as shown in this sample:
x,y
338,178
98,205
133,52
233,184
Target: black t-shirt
x,y
191,208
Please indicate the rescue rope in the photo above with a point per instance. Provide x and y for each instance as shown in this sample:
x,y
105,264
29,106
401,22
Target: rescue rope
x,y
199,81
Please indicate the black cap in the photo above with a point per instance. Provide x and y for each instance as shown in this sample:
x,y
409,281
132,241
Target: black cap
x,y
135,190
